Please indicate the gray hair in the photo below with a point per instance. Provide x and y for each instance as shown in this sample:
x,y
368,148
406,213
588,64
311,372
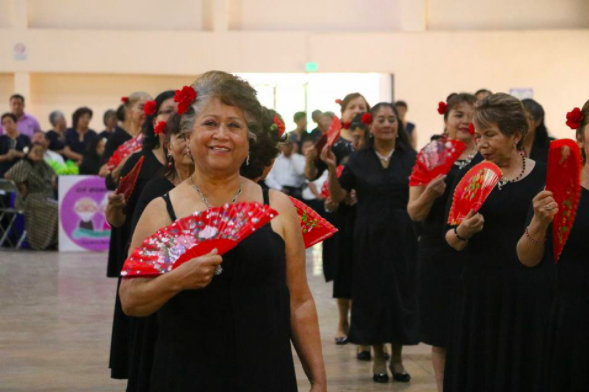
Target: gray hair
x,y
54,115
231,90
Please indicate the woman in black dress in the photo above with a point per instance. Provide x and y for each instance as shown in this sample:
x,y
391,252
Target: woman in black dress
x,y
385,242
439,266
566,350
338,250
537,141
211,323
120,215
495,339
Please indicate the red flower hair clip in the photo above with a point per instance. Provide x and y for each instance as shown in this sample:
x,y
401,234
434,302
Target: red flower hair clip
x,y
185,98
574,118
278,126
160,128
347,124
149,108
124,99
471,129
367,118
442,107
339,101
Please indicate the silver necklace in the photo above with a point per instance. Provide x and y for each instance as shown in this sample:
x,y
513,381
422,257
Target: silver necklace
x,y
503,181
385,158
203,197
461,164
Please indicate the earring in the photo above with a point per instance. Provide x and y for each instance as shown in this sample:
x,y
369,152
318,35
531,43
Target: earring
x,y
170,161
247,161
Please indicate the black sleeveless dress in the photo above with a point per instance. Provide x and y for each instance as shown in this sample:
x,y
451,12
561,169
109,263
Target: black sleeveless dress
x,y
566,355
233,335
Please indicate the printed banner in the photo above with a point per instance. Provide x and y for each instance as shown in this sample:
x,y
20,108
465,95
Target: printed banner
x,y
82,205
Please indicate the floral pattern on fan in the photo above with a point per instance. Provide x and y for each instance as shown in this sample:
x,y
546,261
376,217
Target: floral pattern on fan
x,y
220,228
472,191
563,179
436,158
125,150
314,227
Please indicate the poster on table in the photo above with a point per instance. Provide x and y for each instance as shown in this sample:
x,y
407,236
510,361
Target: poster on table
x,y
82,223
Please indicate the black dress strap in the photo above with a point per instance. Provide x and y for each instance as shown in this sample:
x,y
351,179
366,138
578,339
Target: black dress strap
x,y
265,193
169,207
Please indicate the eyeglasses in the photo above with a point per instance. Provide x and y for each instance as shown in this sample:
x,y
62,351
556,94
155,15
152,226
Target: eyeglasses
x,y
168,112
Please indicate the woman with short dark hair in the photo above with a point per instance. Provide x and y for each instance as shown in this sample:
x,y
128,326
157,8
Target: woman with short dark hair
x,y
79,135
496,335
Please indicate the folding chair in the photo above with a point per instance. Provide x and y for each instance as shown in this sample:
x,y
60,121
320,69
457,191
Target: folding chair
x,y
8,215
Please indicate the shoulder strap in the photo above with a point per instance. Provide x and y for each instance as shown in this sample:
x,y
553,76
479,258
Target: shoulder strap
x,y
265,193
169,207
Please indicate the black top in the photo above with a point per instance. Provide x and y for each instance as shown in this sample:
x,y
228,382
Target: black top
x,y
313,136
118,137
72,140
56,140
540,149
207,337
106,134
409,128
7,144
90,164
155,188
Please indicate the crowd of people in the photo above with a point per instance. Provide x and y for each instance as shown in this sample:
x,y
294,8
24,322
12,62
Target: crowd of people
x,y
486,294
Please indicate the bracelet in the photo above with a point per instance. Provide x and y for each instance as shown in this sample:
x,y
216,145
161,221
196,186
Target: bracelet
x,y
534,241
458,235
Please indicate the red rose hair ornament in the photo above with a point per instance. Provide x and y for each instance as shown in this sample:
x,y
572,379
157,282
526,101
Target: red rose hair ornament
x,y
149,108
184,98
574,118
367,119
278,126
160,128
442,107
339,102
347,124
125,100
471,129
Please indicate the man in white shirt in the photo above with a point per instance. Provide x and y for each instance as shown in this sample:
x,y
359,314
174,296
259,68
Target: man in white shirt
x,y
41,138
288,173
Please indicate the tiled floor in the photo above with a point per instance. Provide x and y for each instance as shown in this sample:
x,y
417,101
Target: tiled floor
x,y
56,317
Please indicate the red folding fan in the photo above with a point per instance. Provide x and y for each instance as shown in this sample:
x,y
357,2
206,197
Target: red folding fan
x,y
334,131
315,229
472,190
128,182
563,179
125,150
436,158
220,228
325,186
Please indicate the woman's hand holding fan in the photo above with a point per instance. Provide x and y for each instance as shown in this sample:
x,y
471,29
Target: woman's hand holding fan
x,y
220,228
197,273
472,191
472,224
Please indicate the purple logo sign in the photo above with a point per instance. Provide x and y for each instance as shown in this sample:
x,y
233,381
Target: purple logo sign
x,y
82,214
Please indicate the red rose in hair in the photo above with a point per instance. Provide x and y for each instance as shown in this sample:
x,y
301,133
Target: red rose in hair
x,y
442,107
347,124
367,118
574,118
184,97
471,129
149,108
339,101
160,128
124,99
279,126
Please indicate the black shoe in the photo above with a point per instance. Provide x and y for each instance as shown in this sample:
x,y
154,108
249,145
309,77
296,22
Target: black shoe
x,y
364,356
402,377
381,378
341,341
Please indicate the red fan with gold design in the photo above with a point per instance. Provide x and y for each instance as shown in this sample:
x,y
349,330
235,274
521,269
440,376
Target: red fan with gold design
x,y
563,179
334,131
124,151
220,228
128,182
315,229
436,158
472,191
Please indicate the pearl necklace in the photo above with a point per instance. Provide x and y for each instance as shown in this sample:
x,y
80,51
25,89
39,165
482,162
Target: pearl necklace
x,y
385,158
